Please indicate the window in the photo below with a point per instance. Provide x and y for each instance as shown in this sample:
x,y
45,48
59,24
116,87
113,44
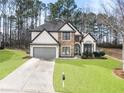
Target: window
x,y
66,50
77,38
66,35
87,48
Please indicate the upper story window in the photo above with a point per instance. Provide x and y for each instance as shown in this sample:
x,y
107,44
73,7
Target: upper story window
x,y
77,38
66,35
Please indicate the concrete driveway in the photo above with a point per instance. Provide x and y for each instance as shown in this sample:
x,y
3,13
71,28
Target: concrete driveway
x,y
35,76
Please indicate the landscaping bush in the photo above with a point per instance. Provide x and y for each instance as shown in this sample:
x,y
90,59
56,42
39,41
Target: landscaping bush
x,y
102,53
87,54
99,54
96,54
2,45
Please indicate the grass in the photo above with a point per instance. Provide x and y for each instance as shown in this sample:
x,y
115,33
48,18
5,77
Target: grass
x,y
10,60
88,76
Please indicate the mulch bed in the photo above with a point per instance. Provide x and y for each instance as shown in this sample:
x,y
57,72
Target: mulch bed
x,y
119,72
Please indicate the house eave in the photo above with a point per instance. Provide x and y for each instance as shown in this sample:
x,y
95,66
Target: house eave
x,y
87,35
42,44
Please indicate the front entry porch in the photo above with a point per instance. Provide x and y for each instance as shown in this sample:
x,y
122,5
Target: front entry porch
x,y
77,51
83,48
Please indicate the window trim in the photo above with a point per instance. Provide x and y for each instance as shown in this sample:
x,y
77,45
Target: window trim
x,y
63,37
91,45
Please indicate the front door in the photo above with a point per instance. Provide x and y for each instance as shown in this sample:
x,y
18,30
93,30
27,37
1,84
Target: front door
x,y
87,48
77,49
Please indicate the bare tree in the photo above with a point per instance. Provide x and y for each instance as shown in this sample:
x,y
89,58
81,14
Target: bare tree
x,y
118,25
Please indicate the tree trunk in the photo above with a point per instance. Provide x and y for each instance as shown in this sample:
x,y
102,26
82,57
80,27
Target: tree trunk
x,y
32,22
39,17
18,36
0,23
123,53
10,31
3,30
35,21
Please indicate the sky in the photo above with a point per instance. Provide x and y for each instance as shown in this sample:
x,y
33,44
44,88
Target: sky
x,y
94,5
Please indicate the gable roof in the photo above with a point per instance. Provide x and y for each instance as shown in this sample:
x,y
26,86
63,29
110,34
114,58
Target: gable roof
x,y
50,26
87,35
74,27
68,27
44,30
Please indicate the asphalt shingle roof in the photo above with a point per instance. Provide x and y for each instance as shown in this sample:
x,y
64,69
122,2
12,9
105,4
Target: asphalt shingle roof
x,y
50,26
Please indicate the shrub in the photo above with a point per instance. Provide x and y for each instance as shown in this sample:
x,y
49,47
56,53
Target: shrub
x,y
2,45
99,54
102,53
96,54
90,54
87,54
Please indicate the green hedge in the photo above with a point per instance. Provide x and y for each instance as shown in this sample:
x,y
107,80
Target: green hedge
x,y
99,54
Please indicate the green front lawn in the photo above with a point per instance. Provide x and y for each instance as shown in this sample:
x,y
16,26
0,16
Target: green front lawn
x,y
10,60
88,76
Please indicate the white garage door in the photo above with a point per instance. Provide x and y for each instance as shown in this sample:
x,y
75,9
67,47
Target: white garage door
x,y
44,52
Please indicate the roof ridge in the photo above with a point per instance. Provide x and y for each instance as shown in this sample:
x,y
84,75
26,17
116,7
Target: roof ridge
x,y
53,25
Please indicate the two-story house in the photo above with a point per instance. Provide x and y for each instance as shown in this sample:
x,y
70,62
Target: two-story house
x,y
59,39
